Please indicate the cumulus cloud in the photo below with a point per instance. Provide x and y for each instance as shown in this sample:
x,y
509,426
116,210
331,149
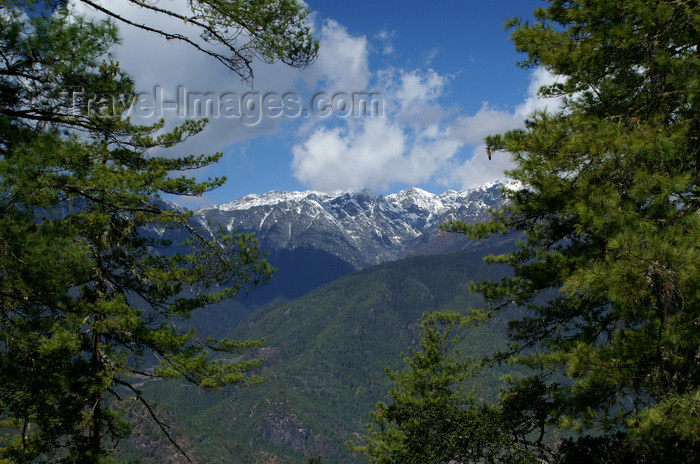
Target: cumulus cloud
x,y
419,139
343,61
406,144
172,68
540,77
472,129
418,89
351,158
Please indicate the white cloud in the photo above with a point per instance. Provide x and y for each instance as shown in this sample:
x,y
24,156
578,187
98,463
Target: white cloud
x,y
158,65
430,55
418,88
419,141
540,77
477,169
472,129
406,145
343,63
386,37
155,63
351,158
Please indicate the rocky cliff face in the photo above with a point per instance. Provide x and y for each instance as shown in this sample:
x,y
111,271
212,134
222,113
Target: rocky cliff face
x,y
283,431
361,228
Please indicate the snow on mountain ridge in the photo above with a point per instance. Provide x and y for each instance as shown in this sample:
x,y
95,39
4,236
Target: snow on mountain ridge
x,y
361,228
270,198
403,199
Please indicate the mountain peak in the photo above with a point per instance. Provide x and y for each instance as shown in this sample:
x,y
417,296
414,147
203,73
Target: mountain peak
x,y
415,191
270,198
508,184
415,195
360,227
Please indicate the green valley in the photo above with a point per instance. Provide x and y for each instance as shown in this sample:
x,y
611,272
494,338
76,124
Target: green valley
x,y
325,358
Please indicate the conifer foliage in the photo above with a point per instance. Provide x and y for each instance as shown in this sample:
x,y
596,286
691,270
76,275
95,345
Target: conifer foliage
x,y
607,273
94,293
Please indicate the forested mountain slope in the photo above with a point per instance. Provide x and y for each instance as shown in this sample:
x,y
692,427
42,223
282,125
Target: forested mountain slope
x,y
325,358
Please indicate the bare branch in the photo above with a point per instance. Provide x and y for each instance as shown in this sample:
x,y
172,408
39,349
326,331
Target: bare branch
x,y
243,67
161,425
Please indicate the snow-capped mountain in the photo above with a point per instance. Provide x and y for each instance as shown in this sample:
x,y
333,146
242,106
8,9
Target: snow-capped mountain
x,y
360,228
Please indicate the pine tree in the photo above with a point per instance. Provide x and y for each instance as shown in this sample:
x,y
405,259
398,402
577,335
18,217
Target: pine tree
x,y
433,415
234,33
607,271
608,268
94,298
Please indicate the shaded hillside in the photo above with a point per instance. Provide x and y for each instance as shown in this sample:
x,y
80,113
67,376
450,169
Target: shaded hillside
x,y
297,272
325,358
314,238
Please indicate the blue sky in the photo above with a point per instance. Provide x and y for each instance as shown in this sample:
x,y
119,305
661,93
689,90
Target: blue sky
x,y
464,39
445,71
